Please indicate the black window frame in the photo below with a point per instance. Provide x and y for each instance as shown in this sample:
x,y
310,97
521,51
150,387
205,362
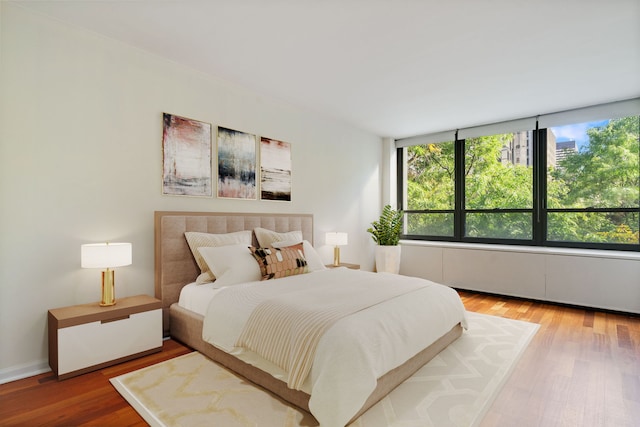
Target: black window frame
x,y
539,209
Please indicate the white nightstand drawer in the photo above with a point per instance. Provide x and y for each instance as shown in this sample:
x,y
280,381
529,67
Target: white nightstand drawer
x,y
93,343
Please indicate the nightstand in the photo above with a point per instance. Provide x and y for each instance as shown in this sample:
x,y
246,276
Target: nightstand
x,y
83,338
344,264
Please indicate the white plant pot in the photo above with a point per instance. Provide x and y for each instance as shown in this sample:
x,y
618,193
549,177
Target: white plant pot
x,y
388,259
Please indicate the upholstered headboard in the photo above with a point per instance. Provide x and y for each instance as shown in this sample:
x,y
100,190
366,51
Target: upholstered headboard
x,y
174,263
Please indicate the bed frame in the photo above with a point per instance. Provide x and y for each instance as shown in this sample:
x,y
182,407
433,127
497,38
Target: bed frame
x,y
176,267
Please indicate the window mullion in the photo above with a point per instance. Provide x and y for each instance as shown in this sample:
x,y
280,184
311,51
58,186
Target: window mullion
x,y
539,186
459,216
401,161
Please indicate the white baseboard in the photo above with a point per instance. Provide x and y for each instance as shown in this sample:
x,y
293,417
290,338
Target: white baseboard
x,y
19,372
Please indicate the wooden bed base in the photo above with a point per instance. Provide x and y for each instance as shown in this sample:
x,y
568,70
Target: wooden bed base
x,y
175,267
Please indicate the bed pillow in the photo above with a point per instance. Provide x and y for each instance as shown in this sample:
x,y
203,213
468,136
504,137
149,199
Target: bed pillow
x,y
314,261
231,264
267,237
276,263
197,240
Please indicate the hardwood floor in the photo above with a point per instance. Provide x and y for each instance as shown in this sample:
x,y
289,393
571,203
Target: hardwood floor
x,y
86,400
581,369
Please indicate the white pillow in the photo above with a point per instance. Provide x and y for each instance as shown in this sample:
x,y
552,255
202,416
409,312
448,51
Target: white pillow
x,y
197,240
267,237
314,261
231,264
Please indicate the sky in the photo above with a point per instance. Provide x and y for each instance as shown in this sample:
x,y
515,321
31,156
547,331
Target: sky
x,y
576,132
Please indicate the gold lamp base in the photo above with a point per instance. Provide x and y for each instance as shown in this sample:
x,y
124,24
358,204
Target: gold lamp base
x,y
336,256
108,289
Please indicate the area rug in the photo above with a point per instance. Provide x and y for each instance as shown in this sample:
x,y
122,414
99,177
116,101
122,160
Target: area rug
x,y
455,388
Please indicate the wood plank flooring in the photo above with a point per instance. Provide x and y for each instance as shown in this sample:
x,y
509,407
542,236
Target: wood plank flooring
x,y
86,400
581,369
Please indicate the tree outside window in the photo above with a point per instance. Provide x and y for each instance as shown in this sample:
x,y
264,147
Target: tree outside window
x,y
589,187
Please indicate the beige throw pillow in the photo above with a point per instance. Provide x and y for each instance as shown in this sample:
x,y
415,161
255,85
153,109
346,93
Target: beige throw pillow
x,y
231,264
268,237
198,240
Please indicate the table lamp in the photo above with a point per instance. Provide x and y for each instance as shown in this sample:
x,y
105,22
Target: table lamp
x,y
106,256
337,240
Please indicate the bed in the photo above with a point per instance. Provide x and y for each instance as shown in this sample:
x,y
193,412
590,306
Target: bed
x,y
176,268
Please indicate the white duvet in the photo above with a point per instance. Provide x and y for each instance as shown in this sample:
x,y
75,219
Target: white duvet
x,y
357,349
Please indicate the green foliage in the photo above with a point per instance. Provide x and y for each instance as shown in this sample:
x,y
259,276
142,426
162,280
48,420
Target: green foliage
x,y
605,174
430,224
386,231
489,184
430,172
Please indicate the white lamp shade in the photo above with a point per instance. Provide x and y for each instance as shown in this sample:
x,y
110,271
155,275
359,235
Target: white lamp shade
x,y
336,239
105,255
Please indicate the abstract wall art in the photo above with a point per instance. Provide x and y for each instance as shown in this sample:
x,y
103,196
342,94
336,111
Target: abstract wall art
x,y
237,159
186,145
275,170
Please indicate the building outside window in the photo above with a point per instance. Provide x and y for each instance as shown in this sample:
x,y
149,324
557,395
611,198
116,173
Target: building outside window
x,y
593,192
571,183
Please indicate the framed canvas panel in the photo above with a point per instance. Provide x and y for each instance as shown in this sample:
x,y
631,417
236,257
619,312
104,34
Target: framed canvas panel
x,y
275,170
186,148
237,161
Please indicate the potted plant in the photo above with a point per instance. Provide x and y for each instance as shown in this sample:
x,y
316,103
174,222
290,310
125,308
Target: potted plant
x,y
386,233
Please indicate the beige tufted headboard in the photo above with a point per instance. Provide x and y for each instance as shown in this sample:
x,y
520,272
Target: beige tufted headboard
x,y
174,263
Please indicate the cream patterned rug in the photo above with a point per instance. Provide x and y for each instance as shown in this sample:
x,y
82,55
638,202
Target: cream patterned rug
x,y
455,388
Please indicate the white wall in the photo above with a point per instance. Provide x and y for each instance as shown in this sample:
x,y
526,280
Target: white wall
x,y
80,161
609,280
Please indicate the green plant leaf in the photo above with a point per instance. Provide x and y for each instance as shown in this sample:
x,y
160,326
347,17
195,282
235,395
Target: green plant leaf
x,y
387,229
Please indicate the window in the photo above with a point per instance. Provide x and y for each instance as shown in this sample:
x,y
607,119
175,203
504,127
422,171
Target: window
x,y
572,183
430,189
593,184
498,193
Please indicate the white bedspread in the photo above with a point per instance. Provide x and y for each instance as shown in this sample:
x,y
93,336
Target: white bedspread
x,y
357,349
196,297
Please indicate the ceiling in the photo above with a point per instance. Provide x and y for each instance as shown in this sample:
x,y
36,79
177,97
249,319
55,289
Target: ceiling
x,y
395,68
